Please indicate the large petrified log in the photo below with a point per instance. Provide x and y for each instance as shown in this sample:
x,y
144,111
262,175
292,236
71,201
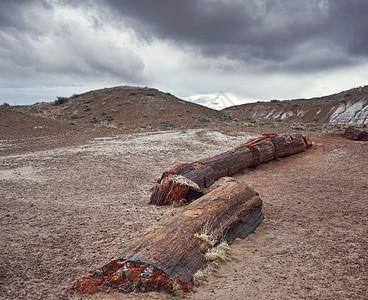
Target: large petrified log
x,y
355,134
171,187
168,258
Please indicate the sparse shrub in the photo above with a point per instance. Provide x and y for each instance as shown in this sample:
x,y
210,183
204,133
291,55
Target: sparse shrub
x,y
219,253
177,293
206,236
94,120
201,276
108,118
74,96
297,127
5,104
202,119
167,124
106,124
61,100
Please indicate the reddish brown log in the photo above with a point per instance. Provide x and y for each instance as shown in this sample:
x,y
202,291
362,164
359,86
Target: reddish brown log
x,y
250,154
230,162
262,147
202,174
355,134
167,258
286,145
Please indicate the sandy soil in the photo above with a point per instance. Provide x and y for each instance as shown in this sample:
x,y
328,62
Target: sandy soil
x,y
71,208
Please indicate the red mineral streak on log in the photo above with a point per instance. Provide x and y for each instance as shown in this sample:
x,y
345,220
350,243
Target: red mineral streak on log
x,y
355,134
175,188
263,148
250,154
168,258
286,145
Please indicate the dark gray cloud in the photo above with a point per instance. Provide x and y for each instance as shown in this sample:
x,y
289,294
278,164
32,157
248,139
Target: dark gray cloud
x,y
191,46
270,34
35,40
15,15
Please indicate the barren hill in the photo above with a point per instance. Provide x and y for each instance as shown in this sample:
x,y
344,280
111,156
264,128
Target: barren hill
x,y
345,107
126,107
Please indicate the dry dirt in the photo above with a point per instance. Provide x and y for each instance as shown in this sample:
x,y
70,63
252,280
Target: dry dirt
x,y
73,203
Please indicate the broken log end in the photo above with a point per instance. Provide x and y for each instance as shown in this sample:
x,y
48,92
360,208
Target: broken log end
x,y
128,276
167,258
175,189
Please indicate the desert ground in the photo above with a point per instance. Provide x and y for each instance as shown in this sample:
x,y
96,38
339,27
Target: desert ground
x,y
71,201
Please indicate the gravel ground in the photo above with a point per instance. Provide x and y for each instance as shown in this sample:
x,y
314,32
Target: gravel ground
x,y
73,207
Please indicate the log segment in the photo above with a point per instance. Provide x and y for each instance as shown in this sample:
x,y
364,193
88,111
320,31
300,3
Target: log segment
x,y
175,189
355,134
168,258
204,172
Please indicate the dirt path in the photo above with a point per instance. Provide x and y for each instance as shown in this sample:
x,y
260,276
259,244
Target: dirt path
x,y
68,210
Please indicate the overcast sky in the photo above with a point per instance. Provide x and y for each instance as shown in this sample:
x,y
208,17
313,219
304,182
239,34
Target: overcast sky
x,y
257,49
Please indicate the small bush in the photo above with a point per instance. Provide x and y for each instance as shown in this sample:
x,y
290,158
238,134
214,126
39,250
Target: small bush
x,y
201,276
219,253
74,96
61,100
206,234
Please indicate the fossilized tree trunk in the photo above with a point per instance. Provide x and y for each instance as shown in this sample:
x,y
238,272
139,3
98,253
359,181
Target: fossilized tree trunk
x,y
202,174
355,134
167,258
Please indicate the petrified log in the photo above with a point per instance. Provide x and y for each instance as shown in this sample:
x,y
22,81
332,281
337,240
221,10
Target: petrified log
x,y
175,188
168,258
204,172
355,134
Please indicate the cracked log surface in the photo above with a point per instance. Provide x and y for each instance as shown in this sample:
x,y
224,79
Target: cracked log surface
x,y
171,187
355,134
167,258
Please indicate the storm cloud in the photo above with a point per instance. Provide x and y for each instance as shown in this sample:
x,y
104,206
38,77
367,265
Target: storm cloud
x,y
170,44
272,33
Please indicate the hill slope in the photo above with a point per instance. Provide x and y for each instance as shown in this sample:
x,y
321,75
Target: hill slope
x,y
125,107
345,107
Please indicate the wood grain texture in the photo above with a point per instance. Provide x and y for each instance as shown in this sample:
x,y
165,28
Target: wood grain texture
x,y
206,171
167,258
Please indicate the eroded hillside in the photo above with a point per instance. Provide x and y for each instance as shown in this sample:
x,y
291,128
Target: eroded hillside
x,y
346,107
